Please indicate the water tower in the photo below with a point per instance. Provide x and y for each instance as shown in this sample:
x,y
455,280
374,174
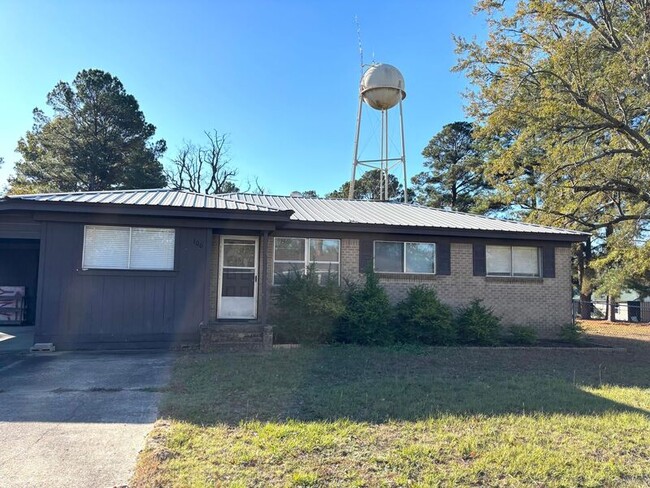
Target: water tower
x,y
381,88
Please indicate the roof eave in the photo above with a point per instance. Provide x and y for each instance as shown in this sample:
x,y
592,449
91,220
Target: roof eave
x,y
434,231
14,204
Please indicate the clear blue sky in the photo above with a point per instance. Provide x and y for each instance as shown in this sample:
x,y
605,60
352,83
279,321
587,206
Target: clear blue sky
x,y
280,77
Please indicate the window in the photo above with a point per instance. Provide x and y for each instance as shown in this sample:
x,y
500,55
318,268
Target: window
x,y
109,247
293,254
512,261
405,257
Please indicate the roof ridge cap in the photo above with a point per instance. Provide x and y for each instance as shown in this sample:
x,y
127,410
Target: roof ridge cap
x,y
278,196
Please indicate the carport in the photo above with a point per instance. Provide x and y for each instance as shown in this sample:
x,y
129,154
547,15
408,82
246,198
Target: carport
x,y
19,273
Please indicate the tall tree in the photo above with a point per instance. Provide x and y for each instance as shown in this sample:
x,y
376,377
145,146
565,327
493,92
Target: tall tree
x,y
367,187
96,139
561,90
204,168
454,176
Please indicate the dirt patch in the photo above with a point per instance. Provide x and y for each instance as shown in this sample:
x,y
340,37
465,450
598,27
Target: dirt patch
x,y
148,471
631,335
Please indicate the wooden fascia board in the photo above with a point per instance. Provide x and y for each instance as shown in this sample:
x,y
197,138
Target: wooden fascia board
x,y
142,210
431,231
120,219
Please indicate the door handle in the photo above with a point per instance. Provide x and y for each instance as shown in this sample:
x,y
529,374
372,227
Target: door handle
x,y
255,278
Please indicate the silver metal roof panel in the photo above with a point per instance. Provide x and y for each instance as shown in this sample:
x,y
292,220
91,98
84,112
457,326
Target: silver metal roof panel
x,y
157,197
390,214
317,210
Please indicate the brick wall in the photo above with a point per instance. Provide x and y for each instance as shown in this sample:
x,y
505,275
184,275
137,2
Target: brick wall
x,y
541,303
544,304
214,276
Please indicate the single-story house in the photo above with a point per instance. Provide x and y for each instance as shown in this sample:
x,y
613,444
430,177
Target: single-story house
x,y
149,268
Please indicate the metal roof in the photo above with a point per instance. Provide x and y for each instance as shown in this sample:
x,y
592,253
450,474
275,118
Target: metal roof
x,y
152,198
301,209
390,214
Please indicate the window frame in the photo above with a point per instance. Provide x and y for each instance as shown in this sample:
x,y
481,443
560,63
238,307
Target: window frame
x,y
91,269
404,272
540,267
307,259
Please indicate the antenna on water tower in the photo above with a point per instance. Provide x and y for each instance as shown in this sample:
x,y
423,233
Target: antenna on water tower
x,y
382,88
356,21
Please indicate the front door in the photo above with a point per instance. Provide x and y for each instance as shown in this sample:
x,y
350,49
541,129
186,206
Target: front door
x,y
238,278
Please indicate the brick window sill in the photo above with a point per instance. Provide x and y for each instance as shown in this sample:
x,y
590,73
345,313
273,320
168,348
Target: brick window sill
x,y
406,276
513,279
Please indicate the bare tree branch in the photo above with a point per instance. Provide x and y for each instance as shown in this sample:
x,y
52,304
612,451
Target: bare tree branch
x,y
204,168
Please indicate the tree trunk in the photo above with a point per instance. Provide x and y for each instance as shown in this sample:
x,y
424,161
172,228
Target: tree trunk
x,y
585,306
611,306
584,257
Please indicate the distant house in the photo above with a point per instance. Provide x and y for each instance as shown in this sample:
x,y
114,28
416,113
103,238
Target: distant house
x,y
630,306
148,268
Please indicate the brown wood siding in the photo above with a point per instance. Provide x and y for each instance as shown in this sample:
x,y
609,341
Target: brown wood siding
x,y
443,258
366,255
114,307
548,261
19,226
478,258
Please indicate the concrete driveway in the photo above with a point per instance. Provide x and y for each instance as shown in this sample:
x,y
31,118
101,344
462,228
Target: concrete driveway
x,y
77,420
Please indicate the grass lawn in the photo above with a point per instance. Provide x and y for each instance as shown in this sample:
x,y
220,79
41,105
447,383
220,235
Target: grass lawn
x,y
351,416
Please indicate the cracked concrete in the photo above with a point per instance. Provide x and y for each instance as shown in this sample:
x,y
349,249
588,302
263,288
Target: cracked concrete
x,y
77,420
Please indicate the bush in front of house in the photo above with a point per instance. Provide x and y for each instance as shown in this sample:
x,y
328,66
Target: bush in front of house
x,y
368,314
573,333
422,318
522,335
477,325
306,310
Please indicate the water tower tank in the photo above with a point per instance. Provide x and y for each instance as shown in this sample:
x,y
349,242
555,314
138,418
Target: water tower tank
x,y
382,85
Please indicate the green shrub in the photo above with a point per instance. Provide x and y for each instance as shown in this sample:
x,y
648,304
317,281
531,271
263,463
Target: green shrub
x,y
573,333
368,315
522,334
307,311
422,318
478,325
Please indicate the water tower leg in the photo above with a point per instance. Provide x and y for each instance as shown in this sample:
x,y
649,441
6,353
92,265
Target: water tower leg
x,y
401,128
355,161
381,156
386,161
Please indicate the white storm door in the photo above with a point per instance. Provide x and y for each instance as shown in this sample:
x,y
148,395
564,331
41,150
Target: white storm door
x,y
238,265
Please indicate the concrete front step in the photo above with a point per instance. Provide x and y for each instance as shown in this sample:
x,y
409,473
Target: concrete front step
x,y
217,336
234,347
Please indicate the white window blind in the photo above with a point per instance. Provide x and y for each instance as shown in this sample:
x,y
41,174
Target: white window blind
x,y
112,247
498,260
512,261
525,261
152,248
106,247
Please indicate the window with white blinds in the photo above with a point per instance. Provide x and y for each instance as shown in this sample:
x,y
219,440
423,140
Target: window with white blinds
x,y
512,261
110,247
